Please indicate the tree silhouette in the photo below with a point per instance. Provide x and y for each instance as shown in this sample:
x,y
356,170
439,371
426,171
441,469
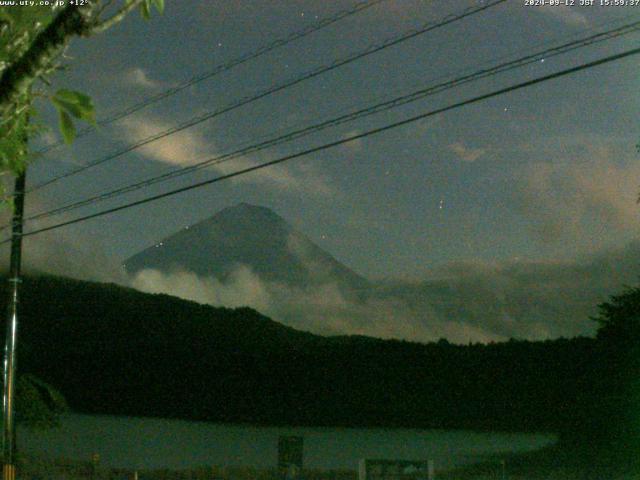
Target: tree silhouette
x,y
617,380
619,319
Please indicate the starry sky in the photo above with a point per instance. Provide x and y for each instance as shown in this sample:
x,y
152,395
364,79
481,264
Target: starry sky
x,y
546,174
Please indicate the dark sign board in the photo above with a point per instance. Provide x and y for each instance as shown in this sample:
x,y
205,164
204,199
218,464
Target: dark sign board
x,y
290,450
396,470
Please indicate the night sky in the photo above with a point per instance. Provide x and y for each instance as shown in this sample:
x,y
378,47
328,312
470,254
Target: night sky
x,y
547,175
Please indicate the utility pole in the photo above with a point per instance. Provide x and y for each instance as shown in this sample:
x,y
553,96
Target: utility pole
x,y
9,384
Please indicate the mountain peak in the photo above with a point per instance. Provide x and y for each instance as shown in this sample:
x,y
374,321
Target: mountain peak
x,y
244,209
246,219
245,235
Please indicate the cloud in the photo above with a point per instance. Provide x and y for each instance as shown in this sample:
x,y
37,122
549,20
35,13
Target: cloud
x,y
323,309
189,147
301,248
593,191
69,255
65,254
532,300
463,302
323,305
181,149
465,153
241,288
139,78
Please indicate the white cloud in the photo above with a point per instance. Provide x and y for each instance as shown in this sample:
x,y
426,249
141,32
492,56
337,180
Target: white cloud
x,y
189,147
181,149
242,287
139,78
322,309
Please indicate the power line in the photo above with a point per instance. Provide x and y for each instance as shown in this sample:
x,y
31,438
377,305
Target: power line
x,y
361,113
247,100
281,42
336,143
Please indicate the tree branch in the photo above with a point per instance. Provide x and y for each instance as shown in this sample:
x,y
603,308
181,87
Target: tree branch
x,y
106,24
71,21
20,75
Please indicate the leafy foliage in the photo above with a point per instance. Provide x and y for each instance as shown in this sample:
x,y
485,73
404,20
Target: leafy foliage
x,y
20,27
39,405
70,103
145,7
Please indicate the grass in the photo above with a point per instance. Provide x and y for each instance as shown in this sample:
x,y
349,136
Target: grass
x,y
551,463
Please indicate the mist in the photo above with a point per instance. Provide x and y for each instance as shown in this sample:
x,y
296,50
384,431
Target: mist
x,y
462,302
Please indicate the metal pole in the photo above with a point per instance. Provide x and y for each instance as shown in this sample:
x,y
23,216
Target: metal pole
x,y
8,397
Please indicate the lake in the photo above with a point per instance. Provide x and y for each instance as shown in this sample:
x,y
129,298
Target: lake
x,y
142,443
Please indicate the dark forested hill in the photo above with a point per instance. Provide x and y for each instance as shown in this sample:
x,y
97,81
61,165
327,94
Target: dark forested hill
x,y
114,350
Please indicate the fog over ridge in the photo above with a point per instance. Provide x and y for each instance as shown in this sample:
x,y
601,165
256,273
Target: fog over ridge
x,y
461,301
464,302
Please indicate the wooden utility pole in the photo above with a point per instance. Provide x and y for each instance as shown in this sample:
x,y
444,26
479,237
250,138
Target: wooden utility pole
x,y
9,381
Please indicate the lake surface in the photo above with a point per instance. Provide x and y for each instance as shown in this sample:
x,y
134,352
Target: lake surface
x,y
142,443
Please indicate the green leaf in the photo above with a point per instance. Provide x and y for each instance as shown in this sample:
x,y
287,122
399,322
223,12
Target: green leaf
x,y
77,104
74,97
71,108
67,127
159,4
145,9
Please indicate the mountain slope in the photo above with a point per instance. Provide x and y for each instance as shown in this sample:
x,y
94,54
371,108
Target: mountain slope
x,y
246,235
